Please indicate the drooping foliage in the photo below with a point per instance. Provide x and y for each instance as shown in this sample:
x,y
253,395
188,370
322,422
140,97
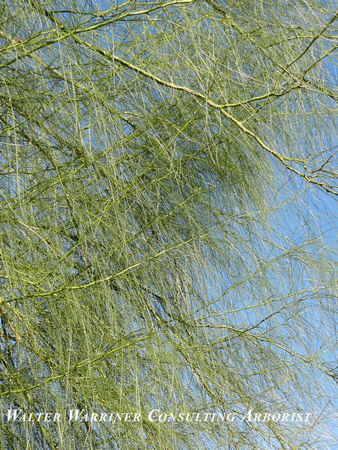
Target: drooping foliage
x,y
168,221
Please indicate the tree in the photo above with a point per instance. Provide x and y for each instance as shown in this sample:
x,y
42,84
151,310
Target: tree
x,y
168,198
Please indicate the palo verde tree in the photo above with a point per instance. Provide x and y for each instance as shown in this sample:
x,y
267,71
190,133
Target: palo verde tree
x,y
168,222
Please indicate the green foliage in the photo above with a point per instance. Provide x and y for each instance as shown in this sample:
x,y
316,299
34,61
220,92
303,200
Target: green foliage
x,y
168,214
